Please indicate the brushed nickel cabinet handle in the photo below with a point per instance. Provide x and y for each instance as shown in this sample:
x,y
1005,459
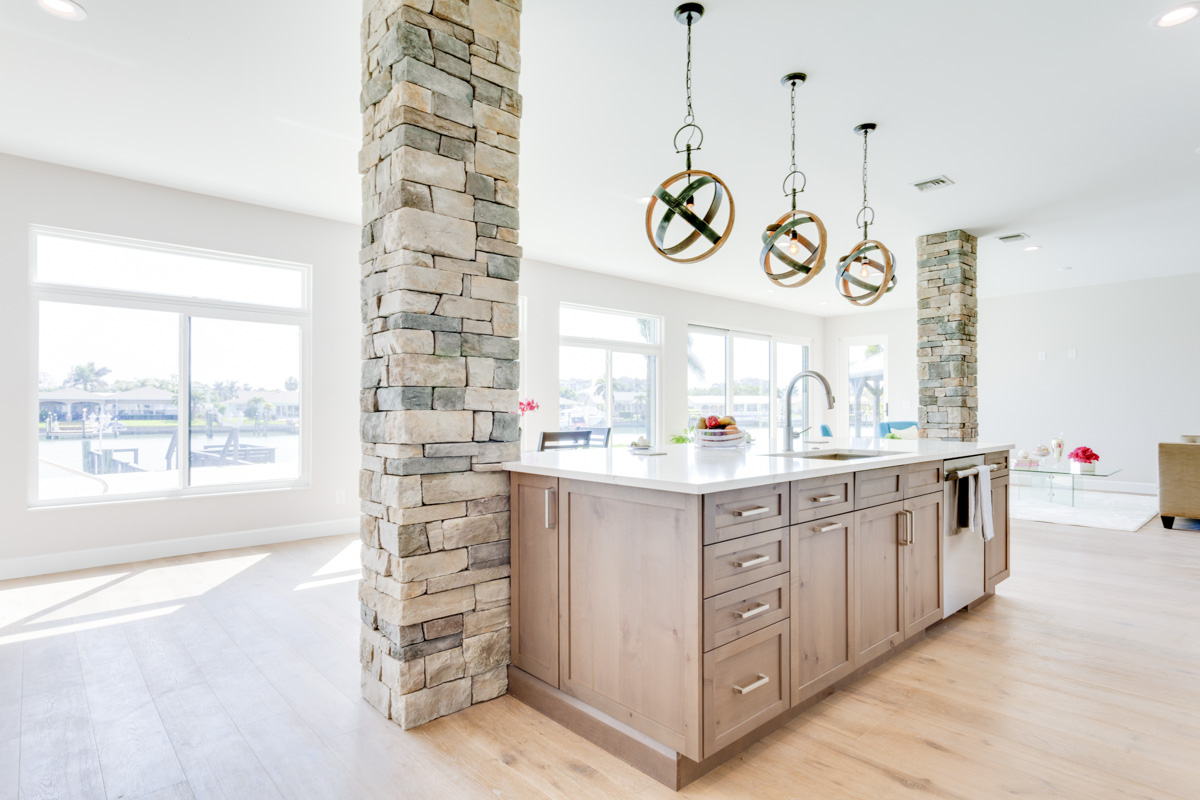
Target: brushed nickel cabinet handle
x,y
752,612
833,526
753,561
904,528
762,681
752,512
827,498
912,526
551,511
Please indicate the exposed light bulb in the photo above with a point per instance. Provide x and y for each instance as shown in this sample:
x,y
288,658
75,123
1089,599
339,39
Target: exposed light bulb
x,y
794,246
64,9
866,271
1177,16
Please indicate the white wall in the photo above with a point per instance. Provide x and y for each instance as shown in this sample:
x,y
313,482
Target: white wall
x,y
547,285
1135,380
53,539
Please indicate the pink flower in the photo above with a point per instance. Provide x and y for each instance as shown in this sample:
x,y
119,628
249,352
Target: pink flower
x,y
527,405
1084,455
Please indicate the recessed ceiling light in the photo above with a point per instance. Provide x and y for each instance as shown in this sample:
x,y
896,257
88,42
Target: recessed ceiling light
x,y
1176,16
1033,247
64,9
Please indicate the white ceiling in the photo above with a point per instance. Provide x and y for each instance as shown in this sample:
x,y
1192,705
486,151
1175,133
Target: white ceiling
x,y
1073,121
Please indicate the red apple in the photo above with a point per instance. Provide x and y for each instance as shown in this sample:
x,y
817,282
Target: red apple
x,y
713,422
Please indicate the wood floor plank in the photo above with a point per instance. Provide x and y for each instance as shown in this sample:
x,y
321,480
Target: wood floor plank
x,y
1078,680
298,761
58,752
165,662
216,759
136,756
245,692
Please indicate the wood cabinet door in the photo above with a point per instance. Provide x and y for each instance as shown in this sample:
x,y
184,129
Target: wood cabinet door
x,y
878,580
996,552
921,559
631,603
534,549
746,683
823,644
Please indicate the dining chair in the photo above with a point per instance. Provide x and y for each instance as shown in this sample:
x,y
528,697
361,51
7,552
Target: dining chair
x,y
564,440
600,436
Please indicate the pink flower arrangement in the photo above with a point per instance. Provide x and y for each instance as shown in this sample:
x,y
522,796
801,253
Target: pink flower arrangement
x,y
527,405
1084,455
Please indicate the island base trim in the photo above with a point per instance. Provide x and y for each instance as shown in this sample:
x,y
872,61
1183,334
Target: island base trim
x,y
653,758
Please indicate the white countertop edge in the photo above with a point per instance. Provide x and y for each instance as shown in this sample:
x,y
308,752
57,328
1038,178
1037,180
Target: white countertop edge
x,y
790,469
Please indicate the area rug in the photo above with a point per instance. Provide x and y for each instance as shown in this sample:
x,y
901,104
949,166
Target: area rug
x,y
1118,512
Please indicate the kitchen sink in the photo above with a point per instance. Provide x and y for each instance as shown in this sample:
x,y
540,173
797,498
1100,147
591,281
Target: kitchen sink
x,y
831,455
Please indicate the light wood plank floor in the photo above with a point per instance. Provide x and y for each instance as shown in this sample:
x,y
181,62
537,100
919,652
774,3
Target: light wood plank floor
x,y
235,675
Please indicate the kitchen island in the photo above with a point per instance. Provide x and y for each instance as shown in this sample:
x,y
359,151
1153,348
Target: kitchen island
x,y
676,608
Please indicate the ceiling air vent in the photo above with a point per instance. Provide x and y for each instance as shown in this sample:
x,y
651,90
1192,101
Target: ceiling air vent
x,y
1009,238
940,182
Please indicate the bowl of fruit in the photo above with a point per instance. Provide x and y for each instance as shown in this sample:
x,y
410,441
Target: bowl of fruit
x,y
718,432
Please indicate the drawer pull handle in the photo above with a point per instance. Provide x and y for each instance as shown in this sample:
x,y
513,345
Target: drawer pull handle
x,y
753,561
551,510
827,498
752,512
762,681
752,612
833,526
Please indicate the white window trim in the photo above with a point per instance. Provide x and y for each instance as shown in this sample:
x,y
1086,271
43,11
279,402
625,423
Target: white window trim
x,y
41,291
614,345
842,428
774,431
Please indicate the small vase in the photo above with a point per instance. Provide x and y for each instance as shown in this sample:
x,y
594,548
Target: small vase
x,y
1080,468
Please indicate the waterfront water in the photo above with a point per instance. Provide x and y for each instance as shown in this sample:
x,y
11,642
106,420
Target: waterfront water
x,y
152,456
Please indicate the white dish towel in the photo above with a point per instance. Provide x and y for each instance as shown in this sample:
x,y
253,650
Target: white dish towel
x,y
979,504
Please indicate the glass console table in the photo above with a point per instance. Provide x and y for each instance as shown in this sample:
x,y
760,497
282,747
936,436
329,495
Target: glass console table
x,y
1058,481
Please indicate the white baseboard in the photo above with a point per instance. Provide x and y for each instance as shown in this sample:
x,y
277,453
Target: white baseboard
x,y
50,563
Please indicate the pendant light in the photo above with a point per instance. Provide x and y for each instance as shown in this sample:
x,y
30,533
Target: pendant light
x,y
799,259
682,204
859,270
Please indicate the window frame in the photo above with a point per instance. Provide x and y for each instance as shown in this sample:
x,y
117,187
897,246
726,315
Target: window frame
x,y
774,341
185,309
844,345
610,346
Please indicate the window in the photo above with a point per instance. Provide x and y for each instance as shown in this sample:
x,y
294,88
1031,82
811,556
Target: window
x,y
865,365
745,375
608,365
164,371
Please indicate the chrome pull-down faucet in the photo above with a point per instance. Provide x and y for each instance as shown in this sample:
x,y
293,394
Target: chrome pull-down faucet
x,y
787,399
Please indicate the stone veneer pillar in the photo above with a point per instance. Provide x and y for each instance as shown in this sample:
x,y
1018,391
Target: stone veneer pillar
x,y
948,316
440,261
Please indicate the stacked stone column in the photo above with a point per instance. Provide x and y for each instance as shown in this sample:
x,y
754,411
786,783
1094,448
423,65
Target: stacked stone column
x,y
948,317
440,262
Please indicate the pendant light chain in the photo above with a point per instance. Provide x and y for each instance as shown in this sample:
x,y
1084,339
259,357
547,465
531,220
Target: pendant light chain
x,y
690,117
865,205
794,143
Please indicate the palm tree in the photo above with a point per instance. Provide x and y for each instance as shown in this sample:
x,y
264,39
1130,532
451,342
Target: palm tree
x,y
86,376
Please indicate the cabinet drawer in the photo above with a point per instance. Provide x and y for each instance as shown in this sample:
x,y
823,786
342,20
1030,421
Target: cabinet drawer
x,y
822,497
740,512
1000,460
731,565
878,486
922,479
746,683
743,611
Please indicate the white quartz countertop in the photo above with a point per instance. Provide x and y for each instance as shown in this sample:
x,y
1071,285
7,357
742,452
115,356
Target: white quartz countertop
x,y
687,469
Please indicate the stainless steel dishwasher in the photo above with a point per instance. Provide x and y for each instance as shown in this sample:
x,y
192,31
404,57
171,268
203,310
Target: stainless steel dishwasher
x,y
963,578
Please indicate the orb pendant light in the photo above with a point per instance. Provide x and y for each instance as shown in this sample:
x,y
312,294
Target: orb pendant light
x,y
789,258
679,194
869,271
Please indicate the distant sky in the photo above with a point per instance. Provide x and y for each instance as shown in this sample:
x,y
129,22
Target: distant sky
x,y
138,344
